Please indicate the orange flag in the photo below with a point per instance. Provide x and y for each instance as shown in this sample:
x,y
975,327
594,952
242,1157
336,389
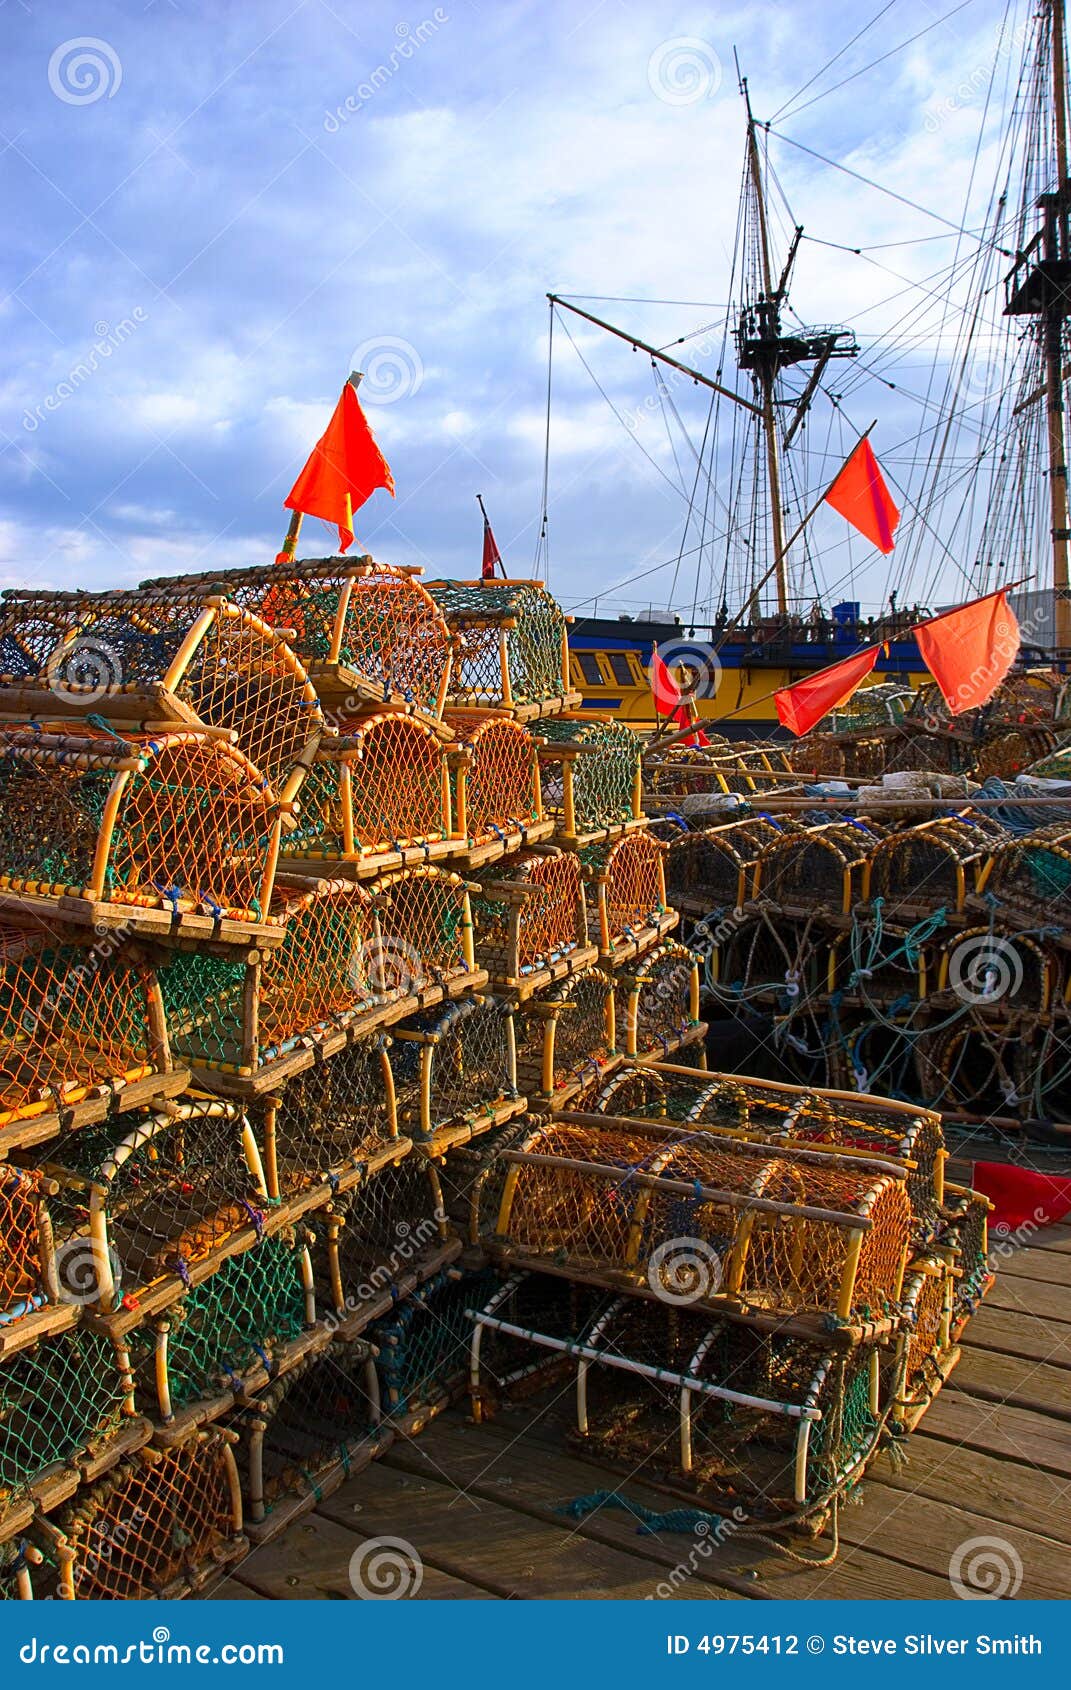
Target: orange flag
x,y
859,493
801,706
344,469
969,651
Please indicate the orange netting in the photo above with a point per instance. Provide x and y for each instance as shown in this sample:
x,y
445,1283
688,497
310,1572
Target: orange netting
x,y
23,1268
377,785
73,1018
424,931
546,890
179,822
631,885
657,1000
501,775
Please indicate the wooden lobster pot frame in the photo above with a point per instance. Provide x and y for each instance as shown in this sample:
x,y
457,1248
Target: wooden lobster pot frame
x,y
630,880
367,633
927,1352
591,779
67,1414
330,1124
308,1432
821,865
880,965
714,867
29,1305
512,647
1002,972
498,801
977,1065
157,662
963,1242
144,1214
771,1424
658,1002
935,863
379,1241
169,837
159,1525
473,1175
1029,879
82,1033
793,1240
531,921
455,1071
220,1343
424,1345
566,1037
377,796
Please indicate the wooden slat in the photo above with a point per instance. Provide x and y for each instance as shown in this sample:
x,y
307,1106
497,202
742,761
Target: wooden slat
x,y
1030,1296
1050,1267
311,1563
1015,1433
998,1490
1032,1385
1020,1335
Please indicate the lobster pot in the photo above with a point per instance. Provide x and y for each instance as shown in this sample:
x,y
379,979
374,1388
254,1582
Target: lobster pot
x,y
523,1338
148,661
630,881
376,789
182,824
658,1001
817,754
927,1337
237,1322
880,964
363,630
237,1018
424,941
512,647
786,1235
1030,876
821,866
473,1176
498,802
567,1035
530,916
932,864
157,1526
27,1259
758,957
18,1559
424,1345
456,1070
790,1118
643,1094
937,751
713,869
1001,970
976,1065
380,1240
963,1241
61,1403
683,769
1014,750
81,1030
754,1420
880,706
329,1119
591,778
307,1431
153,1208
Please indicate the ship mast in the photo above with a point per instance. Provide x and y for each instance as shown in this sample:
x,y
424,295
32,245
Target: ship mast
x,y
766,370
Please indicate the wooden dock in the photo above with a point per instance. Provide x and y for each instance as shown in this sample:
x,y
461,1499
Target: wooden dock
x,y
482,1504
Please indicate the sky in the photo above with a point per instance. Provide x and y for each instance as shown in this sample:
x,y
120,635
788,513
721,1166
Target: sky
x,y
216,209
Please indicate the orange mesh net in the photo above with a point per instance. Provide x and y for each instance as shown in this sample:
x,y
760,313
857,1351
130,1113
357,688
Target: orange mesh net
x,y
379,785
22,1270
155,1519
73,1018
424,925
630,880
654,1000
547,891
501,781
195,826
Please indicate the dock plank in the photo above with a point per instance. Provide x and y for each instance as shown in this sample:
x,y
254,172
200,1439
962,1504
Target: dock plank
x,y
1030,1296
997,1378
1021,1335
311,1562
1015,1433
997,1489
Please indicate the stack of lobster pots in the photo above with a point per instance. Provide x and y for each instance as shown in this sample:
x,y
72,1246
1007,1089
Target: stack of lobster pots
x,y
311,884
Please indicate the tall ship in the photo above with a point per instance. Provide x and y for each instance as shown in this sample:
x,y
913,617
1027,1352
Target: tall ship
x,y
977,351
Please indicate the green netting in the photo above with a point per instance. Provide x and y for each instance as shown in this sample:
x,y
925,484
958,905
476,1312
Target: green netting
x,y
424,1348
849,1427
225,1325
533,645
603,777
203,1007
58,1399
49,826
314,1415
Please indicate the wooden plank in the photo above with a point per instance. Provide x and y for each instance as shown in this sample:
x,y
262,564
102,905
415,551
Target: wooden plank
x,y
1017,1434
499,1547
998,1490
1051,1267
311,1563
1030,1296
232,1590
1020,1335
1007,1379
924,1533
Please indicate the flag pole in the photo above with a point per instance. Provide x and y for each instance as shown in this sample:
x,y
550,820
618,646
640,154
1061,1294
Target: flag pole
x,y
289,550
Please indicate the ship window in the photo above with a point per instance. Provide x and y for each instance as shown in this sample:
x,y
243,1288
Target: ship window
x,y
621,668
588,665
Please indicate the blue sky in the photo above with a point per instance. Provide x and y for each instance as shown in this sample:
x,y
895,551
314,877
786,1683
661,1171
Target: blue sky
x,y
212,209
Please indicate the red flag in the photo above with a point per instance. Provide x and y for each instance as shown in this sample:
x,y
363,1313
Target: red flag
x,y
344,469
664,689
1021,1198
799,707
859,493
491,553
969,651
